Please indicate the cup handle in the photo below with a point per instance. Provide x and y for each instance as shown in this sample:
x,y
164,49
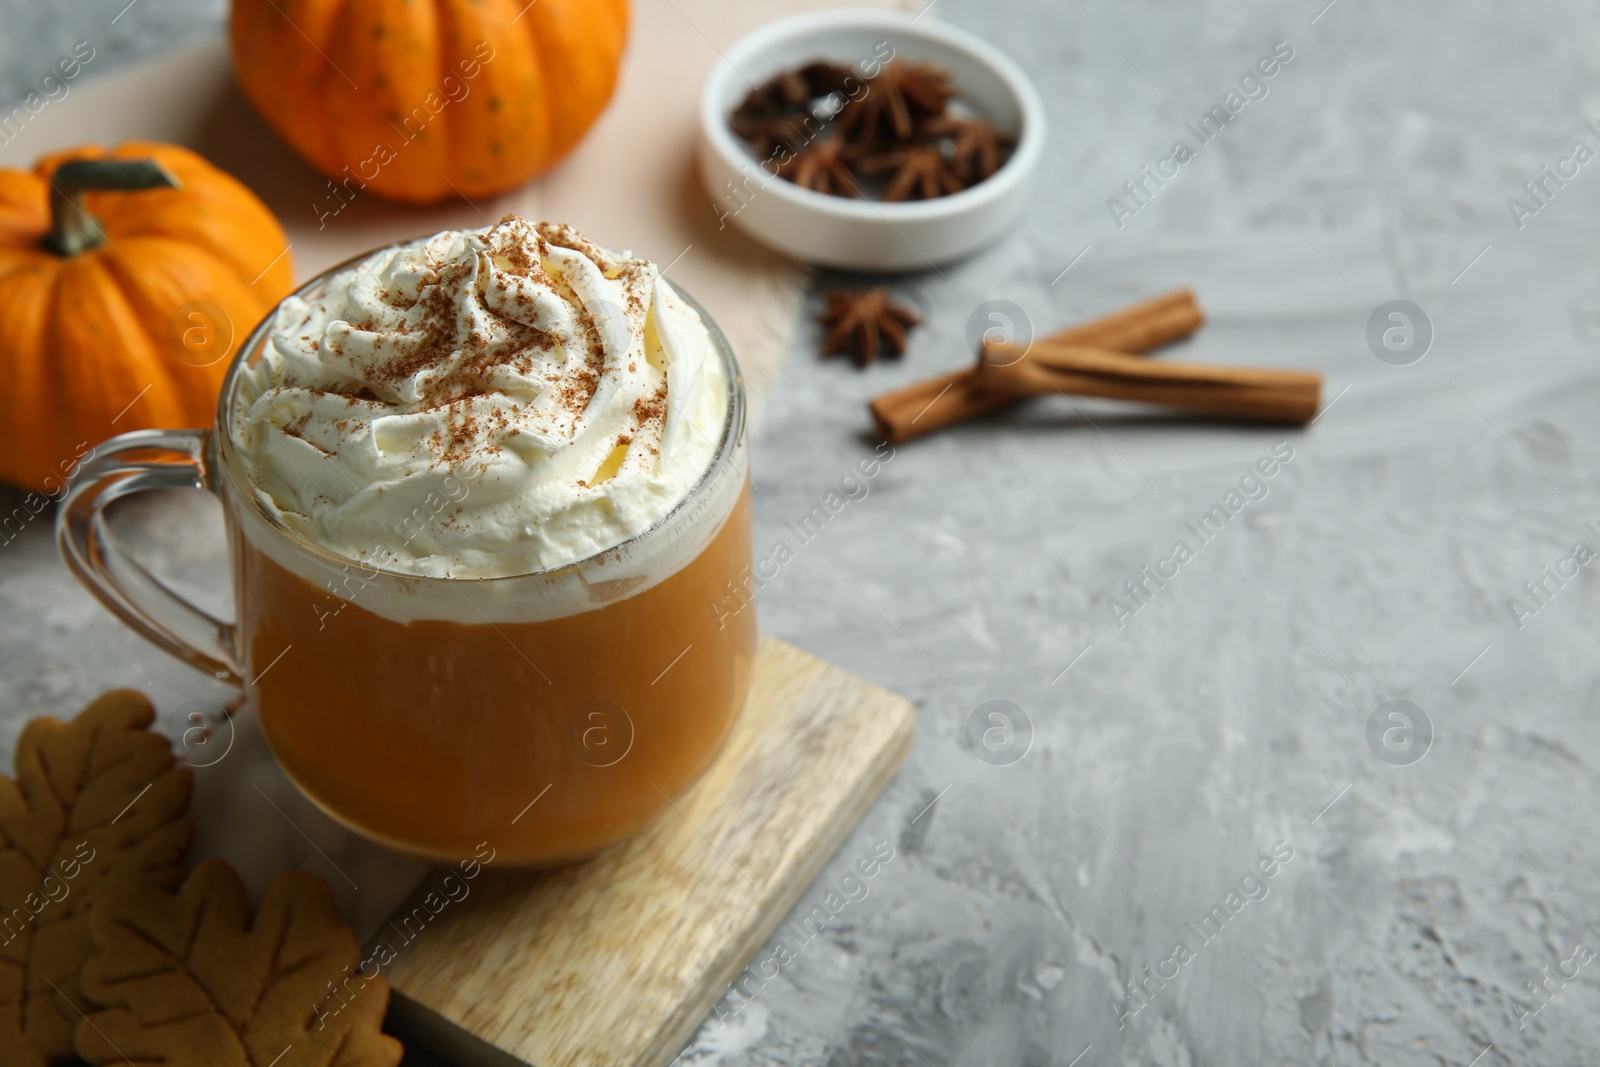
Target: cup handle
x,y
128,464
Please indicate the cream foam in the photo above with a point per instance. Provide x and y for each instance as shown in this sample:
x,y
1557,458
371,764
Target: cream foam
x,y
482,404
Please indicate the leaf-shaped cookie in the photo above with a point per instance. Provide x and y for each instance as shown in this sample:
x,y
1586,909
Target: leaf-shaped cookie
x,y
190,981
97,803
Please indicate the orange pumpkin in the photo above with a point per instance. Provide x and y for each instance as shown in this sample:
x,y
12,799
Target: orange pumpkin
x,y
421,102
121,298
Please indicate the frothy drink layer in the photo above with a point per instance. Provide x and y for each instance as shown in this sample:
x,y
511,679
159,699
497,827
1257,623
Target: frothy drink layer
x,y
484,404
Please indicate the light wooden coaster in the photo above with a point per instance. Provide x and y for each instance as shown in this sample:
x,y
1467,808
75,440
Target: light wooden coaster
x,y
614,962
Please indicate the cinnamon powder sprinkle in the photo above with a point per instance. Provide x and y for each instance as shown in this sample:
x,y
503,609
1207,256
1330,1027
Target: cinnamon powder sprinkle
x,y
496,341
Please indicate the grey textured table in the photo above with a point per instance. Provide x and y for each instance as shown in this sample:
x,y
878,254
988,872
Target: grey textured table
x,y
1163,743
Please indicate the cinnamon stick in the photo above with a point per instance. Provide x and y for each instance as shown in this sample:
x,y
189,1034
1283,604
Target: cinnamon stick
x,y
954,397
1255,394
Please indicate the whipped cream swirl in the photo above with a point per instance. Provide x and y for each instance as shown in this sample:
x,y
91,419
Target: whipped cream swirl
x,y
482,404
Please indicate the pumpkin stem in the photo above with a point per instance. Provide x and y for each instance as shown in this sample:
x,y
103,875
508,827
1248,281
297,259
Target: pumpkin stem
x,y
72,229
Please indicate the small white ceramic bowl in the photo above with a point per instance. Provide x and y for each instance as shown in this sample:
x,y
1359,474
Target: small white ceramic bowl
x,y
861,234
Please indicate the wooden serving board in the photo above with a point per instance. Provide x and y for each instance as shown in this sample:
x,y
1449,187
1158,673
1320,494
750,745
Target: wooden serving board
x,y
615,961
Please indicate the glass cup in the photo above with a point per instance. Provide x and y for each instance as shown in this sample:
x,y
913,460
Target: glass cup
x,y
549,714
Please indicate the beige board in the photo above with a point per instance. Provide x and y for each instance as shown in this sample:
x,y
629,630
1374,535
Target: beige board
x,y
631,185
615,961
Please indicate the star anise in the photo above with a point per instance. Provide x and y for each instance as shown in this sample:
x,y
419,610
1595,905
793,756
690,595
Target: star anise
x,y
824,166
824,79
921,172
977,149
822,131
896,97
783,111
864,322
774,114
772,135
